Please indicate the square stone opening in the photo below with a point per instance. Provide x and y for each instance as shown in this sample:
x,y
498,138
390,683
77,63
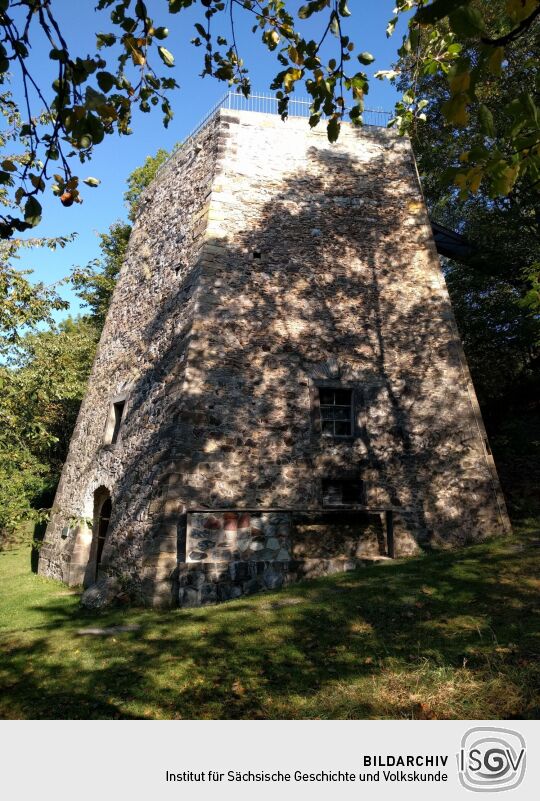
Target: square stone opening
x,y
114,421
346,492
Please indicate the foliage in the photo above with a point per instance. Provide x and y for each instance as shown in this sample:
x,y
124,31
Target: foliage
x,y
472,48
40,393
44,375
95,282
21,480
492,295
498,336
23,304
141,177
94,95
447,636
495,293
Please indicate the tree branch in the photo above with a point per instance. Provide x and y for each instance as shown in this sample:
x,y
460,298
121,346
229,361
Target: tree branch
x,y
509,37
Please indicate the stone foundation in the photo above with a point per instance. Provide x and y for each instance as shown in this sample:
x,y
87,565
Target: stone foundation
x,y
213,582
236,552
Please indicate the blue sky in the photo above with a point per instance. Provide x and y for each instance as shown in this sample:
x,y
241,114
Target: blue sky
x,y
117,156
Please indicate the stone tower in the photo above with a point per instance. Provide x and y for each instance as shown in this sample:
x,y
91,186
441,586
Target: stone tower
x,y
279,370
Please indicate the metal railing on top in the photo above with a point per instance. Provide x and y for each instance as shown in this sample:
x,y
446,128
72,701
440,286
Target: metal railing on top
x,y
268,104
298,107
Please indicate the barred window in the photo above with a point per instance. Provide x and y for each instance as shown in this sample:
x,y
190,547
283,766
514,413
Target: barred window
x,y
336,407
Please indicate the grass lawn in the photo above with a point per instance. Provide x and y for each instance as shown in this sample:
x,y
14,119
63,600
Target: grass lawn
x,y
445,635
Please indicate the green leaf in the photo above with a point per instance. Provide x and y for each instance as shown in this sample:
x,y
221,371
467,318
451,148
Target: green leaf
x,y
200,30
166,56
467,22
106,81
58,55
455,110
37,182
431,67
290,77
503,178
105,39
343,10
93,99
459,81
333,129
366,58
32,211
495,61
140,9
529,107
487,125
91,181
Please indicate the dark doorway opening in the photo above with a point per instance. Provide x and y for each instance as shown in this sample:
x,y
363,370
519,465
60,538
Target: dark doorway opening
x,y
102,528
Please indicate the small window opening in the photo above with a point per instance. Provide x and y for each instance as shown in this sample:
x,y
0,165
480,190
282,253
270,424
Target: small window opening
x,y
118,411
336,412
343,492
256,254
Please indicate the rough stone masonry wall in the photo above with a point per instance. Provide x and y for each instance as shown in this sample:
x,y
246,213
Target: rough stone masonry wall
x,y
141,356
319,264
265,260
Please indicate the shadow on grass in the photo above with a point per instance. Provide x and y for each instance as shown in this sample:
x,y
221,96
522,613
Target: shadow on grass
x,y
452,633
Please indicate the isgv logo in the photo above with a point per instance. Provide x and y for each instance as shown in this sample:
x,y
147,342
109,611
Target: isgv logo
x,y
491,759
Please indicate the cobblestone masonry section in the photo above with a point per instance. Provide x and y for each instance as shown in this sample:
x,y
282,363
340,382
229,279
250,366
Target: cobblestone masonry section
x,y
210,583
264,262
279,536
